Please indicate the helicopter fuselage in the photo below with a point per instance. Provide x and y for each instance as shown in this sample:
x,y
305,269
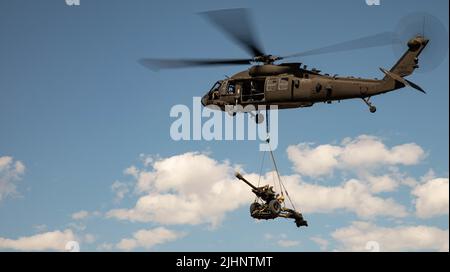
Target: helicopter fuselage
x,y
288,85
303,89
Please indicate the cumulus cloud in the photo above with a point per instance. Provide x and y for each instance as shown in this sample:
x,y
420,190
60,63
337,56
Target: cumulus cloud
x,y
11,171
281,240
49,241
193,188
89,238
387,182
363,152
432,198
351,196
288,243
322,243
80,215
147,239
120,189
401,238
107,247
190,188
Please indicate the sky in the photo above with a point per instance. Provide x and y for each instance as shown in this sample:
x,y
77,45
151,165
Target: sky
x,y
86,153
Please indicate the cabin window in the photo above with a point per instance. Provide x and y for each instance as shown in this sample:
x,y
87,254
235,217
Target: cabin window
x,y
284,84
318,88
272,84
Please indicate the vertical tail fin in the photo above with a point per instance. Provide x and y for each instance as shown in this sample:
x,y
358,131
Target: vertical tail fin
x,y
406,65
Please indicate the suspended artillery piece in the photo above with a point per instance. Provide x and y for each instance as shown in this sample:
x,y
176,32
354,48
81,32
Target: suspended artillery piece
x,y
272,205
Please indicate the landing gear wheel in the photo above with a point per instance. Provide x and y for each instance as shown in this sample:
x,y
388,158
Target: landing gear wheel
x,y
259,118
231,113
275,207
372,108
254,207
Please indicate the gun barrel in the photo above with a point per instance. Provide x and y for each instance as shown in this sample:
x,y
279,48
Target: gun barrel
x,y
239,176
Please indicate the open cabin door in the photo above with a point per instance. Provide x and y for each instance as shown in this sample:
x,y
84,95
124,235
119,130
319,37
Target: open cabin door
x,y
252,90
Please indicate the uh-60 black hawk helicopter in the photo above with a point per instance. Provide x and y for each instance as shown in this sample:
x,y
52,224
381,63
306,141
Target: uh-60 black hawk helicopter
x,y
291,85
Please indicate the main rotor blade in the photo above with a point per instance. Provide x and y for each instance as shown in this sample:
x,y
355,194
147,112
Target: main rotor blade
x,y
380,39
237,24
157,64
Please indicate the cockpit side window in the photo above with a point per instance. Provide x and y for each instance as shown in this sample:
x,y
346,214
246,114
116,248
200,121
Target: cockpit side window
x,y
231,88
228,87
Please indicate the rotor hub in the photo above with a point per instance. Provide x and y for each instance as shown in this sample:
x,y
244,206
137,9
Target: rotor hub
x,y
266,59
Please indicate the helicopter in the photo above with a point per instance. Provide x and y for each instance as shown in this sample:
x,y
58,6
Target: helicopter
x,y
292,85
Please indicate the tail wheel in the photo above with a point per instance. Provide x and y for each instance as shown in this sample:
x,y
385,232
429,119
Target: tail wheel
x,y
275,206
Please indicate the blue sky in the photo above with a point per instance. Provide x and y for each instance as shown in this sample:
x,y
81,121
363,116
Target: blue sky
x,y
76,109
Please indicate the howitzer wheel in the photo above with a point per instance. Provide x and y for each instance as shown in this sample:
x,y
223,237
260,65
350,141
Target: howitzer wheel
x,y
275,207
254,207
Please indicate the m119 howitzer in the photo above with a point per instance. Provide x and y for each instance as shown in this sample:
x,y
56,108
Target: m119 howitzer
x,y
266,192
272,206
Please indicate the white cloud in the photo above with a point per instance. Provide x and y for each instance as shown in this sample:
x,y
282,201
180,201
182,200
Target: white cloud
x,y
383,183
364,152
388,182
77,226
401,238
288,243
49,241
352,196
132,171
11,171
322,243
190,188
89,238
120,189
432,198
314,162
147,239
108,247
80,215
281,240
193,188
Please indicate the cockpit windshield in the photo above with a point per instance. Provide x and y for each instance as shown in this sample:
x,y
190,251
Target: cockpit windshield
x,y
216,86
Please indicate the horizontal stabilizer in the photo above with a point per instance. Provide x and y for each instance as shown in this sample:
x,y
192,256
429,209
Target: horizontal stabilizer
x,y
402,80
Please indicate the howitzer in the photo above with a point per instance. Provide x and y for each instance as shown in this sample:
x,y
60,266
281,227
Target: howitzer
x,y
266,192
272,208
